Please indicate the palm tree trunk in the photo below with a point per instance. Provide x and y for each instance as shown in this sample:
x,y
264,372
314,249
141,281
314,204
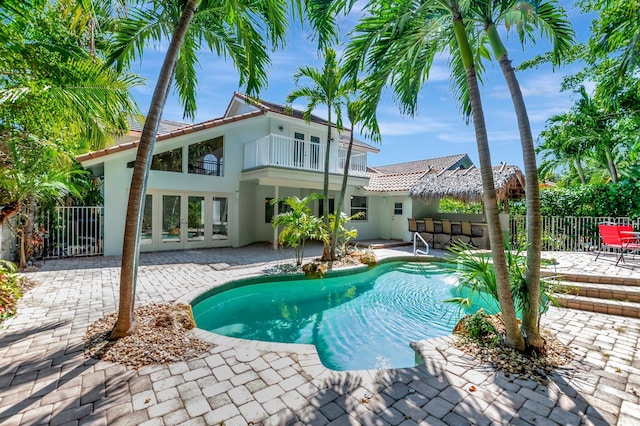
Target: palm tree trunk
x,y
529,326
580,170
343,190
613,171
326,250
513,338
125,324
531,309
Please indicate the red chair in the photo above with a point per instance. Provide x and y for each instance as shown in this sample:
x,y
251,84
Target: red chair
x,y
619,238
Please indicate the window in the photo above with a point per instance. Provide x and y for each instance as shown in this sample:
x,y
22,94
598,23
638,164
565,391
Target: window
x,y
170,161
207,157
268,209
397,208
332,206
359,205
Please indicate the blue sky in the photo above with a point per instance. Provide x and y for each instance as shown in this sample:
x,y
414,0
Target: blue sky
x,y
437,130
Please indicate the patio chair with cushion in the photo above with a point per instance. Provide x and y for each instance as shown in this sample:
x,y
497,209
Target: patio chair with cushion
x,y
466,232
429,231
619,239
446,231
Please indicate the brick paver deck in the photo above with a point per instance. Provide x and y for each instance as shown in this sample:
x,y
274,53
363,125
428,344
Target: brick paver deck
x,y
46,379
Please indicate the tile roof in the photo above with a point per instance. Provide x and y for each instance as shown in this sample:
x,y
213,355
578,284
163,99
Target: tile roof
x,y
177,132
379,182
436,164
169,129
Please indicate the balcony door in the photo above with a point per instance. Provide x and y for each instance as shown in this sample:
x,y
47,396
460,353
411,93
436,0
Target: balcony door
x,y
174,221
306,150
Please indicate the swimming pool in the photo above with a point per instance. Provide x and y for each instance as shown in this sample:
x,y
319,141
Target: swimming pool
x,y
359,321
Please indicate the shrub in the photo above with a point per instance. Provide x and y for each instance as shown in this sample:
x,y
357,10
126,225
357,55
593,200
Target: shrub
x,y
610,199
9,289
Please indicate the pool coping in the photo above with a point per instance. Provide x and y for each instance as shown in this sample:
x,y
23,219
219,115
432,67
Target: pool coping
x,y
306,354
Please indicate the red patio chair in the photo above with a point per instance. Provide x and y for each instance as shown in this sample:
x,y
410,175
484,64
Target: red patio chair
x,y
613,237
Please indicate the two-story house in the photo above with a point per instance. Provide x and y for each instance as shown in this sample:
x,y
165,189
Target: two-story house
x,y
211,183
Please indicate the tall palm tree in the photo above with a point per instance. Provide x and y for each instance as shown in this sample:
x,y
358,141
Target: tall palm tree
x,y
327,88
397,44
244,31
526,16
354,109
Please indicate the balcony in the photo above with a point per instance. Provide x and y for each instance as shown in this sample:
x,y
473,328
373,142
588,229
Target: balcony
x,y
290,153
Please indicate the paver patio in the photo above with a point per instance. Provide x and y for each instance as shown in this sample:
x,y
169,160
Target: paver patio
x,y
46,379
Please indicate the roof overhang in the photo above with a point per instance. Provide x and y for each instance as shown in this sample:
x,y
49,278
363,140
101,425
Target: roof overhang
x,y
278,176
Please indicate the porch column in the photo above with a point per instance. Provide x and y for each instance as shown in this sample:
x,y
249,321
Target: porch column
x,y
275,229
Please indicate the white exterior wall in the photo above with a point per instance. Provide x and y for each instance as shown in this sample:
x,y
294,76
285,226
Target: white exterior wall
x,y
246,198
118,178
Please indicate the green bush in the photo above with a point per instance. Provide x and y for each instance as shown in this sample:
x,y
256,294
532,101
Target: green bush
x,y
9,289
610,199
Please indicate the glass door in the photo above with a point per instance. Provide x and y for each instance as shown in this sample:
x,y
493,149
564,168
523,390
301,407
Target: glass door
x,y
195,219
172,233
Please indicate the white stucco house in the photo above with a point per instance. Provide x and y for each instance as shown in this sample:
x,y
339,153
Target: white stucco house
x,y
210,183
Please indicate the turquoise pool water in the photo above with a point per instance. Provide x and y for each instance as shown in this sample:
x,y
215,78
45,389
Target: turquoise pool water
x,y
359,321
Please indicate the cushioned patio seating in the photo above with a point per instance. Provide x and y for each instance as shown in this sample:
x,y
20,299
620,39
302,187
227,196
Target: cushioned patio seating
x,y
619,239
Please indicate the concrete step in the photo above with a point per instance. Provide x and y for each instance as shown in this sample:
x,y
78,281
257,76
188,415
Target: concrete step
x,y
624,293
595,279
605,306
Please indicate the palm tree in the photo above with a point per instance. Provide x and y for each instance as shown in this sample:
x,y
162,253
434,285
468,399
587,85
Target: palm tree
x,y
526,16
354,109
327,88
397,44
242,31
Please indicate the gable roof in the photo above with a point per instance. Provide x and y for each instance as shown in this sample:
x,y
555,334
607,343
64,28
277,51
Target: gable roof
x,y
402,176
436,164
466,185
172,134
267,106
169,129
379,182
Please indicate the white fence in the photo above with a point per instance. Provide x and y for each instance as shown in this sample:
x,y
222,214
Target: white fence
x,y
566,233
73,231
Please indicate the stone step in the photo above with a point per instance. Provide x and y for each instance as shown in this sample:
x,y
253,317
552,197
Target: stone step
x,y
624,293
595,279
605,306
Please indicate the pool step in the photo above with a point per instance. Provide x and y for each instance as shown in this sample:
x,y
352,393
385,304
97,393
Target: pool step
x,y
609,295
417,267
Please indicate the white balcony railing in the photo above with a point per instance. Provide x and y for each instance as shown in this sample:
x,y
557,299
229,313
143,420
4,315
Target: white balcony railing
x,y
282,151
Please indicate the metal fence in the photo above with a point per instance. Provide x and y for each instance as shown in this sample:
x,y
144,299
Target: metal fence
x,y
72,231
566,233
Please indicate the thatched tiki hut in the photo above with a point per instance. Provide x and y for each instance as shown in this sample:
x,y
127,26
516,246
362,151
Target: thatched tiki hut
x,y
466,184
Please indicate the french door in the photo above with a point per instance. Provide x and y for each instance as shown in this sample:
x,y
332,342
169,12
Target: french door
x,y
174,221
306,150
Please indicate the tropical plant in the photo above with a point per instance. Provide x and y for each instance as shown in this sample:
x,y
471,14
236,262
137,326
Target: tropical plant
x,y
243,31
526,16
477,286
299,224
230,31
397,44
327,88
9,289
340,234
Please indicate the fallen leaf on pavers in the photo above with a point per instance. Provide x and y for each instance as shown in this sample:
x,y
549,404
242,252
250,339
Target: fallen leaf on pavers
x,y
472,388
146,401
618,370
